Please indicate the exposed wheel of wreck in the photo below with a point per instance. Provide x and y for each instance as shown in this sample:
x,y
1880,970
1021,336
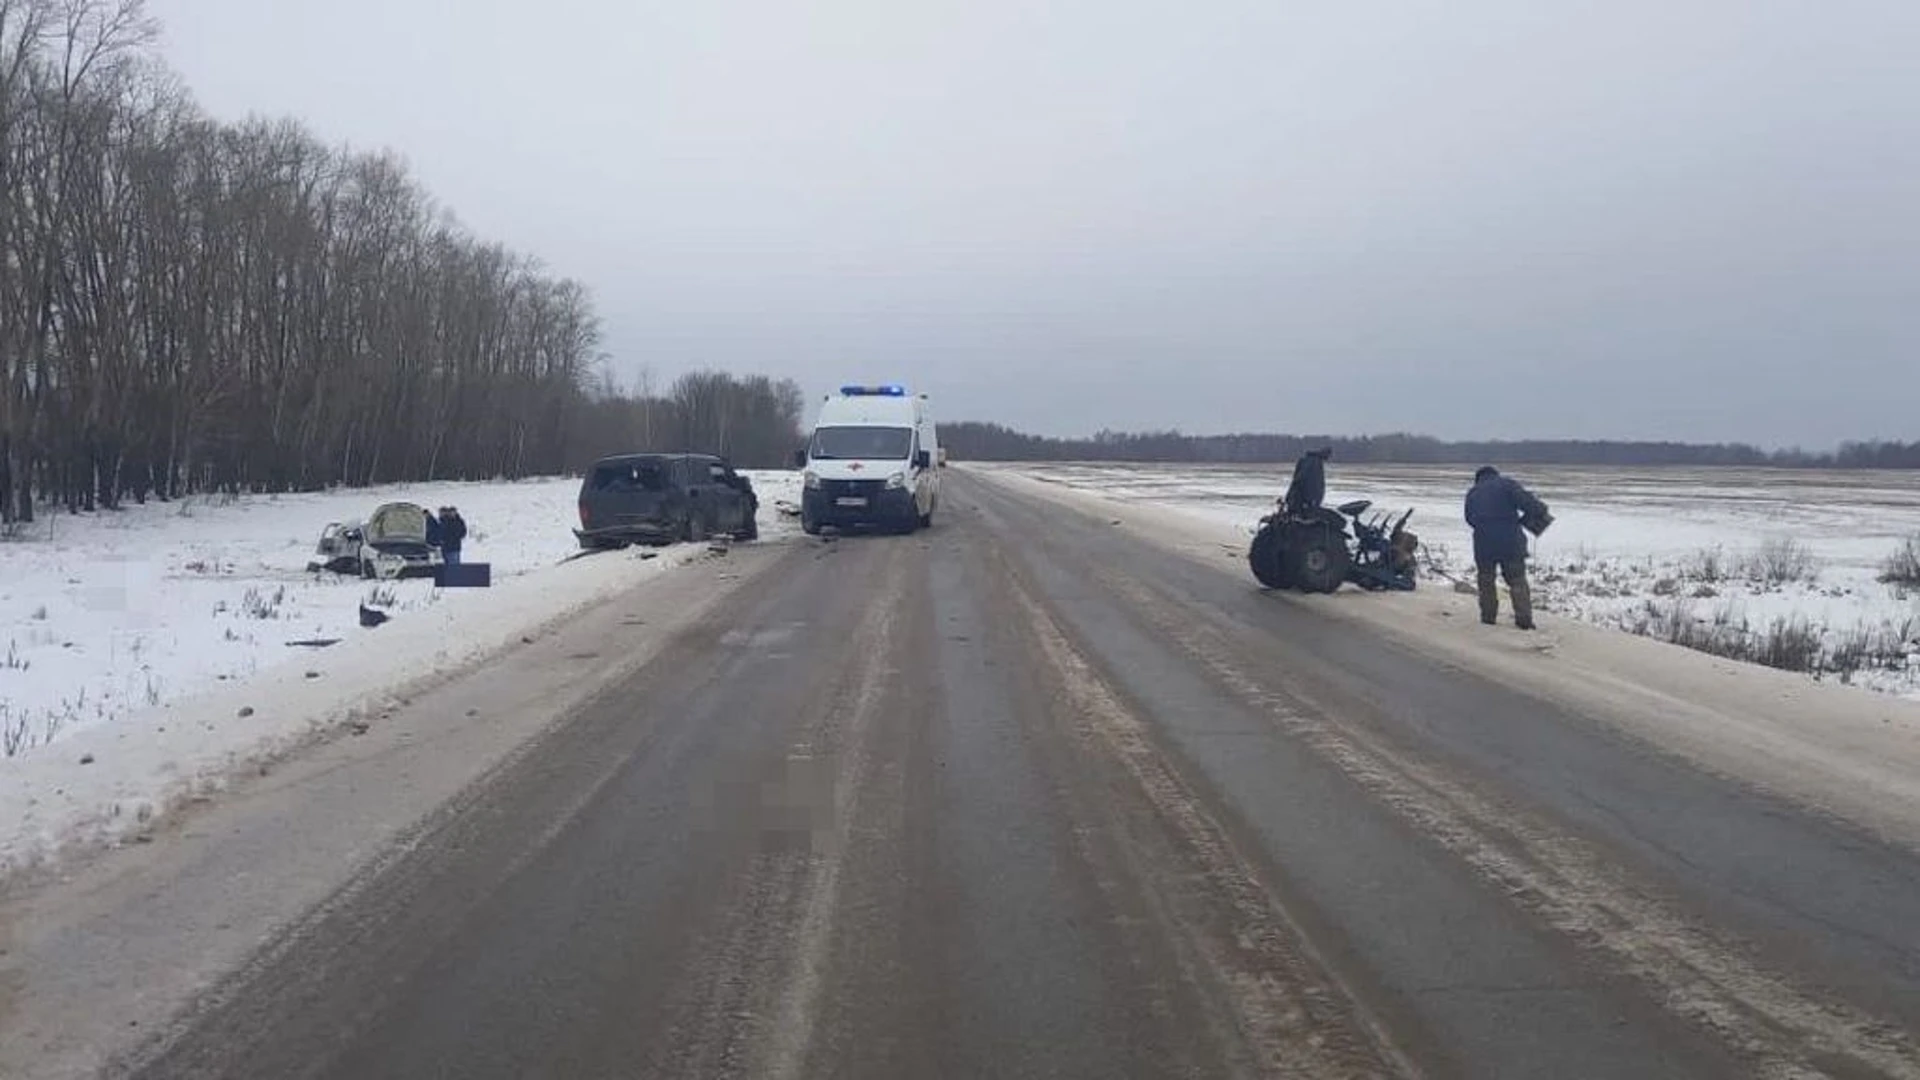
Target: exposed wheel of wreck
x,y
1266,559
1317,559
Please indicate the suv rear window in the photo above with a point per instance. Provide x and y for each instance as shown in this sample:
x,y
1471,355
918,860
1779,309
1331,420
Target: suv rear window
x,y
631,476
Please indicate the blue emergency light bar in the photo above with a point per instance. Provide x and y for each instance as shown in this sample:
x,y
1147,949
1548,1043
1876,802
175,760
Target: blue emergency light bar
x,y
890,390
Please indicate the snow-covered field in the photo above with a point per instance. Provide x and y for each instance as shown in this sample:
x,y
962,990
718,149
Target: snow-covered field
x,y
104,616
1736,559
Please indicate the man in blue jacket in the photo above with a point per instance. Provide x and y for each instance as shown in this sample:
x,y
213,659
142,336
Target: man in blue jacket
x,y
1501,513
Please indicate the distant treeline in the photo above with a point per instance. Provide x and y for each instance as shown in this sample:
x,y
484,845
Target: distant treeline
x,y
993,442
752,420
188,305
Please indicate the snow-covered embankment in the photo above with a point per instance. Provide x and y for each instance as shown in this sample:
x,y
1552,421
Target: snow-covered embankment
x,y
149,654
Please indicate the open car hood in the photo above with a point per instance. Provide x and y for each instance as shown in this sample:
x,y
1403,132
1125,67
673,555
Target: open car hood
x,y
397,523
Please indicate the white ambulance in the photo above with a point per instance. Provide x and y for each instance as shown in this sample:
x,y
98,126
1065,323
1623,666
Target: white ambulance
x,y
873,460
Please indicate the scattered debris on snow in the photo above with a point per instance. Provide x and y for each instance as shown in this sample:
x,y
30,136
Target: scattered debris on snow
x,y
109,614
144,637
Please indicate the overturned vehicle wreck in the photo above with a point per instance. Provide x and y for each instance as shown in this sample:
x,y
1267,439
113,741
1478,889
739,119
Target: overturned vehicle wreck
x,y
1317,550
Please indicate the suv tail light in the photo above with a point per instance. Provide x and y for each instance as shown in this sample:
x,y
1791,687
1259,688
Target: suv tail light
x,y
586,517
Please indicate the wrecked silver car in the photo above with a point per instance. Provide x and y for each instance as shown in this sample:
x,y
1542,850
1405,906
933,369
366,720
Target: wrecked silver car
x,y
339,548
392,543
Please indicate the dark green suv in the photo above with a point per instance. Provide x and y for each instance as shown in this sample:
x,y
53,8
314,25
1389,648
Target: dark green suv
x,y
663,498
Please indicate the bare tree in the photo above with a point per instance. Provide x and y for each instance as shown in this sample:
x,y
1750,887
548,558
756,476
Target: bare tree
x,y
186,305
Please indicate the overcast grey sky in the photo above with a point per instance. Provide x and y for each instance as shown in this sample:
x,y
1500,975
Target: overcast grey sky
x,y
1693,219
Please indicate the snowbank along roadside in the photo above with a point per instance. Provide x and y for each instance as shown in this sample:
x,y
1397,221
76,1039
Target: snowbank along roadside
x,y
116,947
1837,749
152,645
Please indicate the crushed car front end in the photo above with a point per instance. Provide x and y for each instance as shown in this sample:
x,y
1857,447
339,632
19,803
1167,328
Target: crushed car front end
x,y
402,559
395,544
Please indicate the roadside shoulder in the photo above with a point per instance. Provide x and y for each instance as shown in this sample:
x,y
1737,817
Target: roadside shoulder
x,y
120,942
1847,752
115,782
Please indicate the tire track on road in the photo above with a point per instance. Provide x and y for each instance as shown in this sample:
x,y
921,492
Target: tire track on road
x,y
1782,1029
842,729
1281,998
760,979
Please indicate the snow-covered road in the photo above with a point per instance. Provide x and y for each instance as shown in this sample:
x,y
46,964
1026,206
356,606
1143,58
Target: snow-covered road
x,y
1051,789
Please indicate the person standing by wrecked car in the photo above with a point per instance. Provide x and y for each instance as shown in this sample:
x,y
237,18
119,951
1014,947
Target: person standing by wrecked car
x,y
453,533
1501,512
1309,486
433,528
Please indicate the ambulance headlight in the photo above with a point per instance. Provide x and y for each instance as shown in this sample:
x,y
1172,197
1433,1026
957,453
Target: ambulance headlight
x,y
897,481
811,479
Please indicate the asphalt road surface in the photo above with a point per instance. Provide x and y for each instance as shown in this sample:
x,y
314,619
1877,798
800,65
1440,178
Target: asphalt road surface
x,y
1025,796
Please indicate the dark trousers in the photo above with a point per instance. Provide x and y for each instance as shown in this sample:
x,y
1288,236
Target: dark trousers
x,y
1515,571
450,556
